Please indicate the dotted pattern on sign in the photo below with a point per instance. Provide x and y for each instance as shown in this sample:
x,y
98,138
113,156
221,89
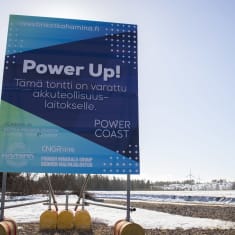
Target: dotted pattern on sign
x,y
10,60
14,40
132,152
120,164
122,39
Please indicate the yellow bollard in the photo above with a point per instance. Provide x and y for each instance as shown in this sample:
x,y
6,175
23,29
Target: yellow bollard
x,y
65,220
82,220
4,228
117,226
8,227
48,220
130,229
123,227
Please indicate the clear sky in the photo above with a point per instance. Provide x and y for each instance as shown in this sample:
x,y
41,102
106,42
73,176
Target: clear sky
x,y
186,57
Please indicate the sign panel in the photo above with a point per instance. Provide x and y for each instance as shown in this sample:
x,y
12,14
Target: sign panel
x,y
70,97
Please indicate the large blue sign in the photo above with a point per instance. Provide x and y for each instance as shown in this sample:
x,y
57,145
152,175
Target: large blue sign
x,y
70,97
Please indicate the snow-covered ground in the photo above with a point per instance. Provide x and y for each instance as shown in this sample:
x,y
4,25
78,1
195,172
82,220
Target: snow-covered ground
x,y
215,197
146,218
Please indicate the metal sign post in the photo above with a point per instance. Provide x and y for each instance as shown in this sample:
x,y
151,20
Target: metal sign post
x,y
4,186
128,197
67,201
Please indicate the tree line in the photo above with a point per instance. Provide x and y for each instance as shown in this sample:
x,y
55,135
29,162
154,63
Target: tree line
x,y
29,183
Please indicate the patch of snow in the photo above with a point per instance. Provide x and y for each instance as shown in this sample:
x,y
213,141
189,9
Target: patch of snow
x,y
146,218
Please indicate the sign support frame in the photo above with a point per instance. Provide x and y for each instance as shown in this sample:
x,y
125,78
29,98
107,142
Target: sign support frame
x,y
128,197
51,191
4,186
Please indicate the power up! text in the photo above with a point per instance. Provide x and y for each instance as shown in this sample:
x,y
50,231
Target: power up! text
x,y
96,71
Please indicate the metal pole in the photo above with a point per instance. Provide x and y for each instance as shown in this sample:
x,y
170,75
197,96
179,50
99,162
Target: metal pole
x,y
128,197
49,198
4,186
67,201
83,201
82,191
51,191
109,205
26,204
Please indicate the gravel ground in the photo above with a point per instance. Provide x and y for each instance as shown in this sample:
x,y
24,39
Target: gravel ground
x,y
102,229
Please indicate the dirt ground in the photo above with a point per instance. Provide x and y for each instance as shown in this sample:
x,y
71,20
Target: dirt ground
x,y
102,229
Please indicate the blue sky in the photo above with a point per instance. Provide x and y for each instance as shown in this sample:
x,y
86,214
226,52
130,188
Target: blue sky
x,y
186,54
